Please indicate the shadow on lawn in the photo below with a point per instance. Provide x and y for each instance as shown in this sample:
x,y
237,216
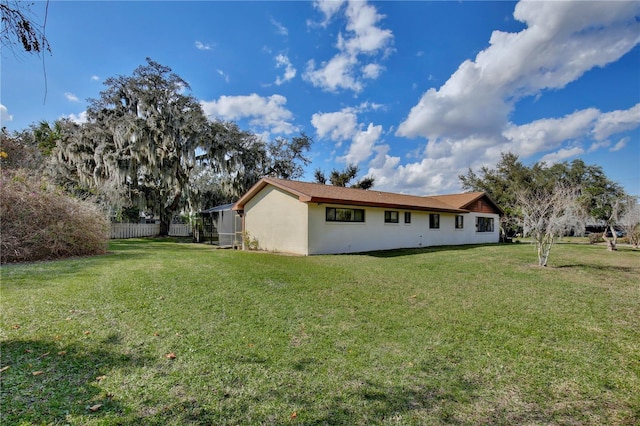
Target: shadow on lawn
x,y
45,382
600,268
414,251
379,403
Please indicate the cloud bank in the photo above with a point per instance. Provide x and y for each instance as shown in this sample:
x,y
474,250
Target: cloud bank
x,y
466,121
360,48
265,115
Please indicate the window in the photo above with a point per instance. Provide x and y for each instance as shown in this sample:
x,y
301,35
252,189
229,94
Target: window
x,y
407,217
484,224
459,221
390,216
335,214
434,221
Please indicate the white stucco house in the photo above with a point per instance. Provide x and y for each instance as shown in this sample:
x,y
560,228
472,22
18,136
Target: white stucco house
x,y
310,218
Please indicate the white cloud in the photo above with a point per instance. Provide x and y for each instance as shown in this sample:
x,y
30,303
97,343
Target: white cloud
x,y
95,78
372,71
598,145
621,144
328,8
334,75
556,139
282,61
363,38
362,20
337,126
343,126
224,75
563,41
429,176
79,118
617,121
546,134
264,113
361,147
203,46
280,29
4,114
466,121
561,155
71,97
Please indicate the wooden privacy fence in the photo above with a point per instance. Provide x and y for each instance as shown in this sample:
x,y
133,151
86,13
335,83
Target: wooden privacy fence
x,y
137,230
179,230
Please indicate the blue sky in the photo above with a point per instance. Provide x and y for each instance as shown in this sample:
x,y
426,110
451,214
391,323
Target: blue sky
x,y
413,92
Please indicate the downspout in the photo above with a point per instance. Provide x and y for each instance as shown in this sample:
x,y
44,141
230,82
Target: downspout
x,y
241,214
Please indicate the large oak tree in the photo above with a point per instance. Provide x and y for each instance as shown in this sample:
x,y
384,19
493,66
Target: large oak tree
x,y
139,143
147,144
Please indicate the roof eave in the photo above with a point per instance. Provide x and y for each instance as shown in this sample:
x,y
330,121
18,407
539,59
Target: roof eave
x,y
260,185
386,205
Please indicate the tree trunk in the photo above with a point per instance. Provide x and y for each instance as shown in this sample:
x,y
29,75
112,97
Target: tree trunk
x,y
544,244
166,215
164,227
611,242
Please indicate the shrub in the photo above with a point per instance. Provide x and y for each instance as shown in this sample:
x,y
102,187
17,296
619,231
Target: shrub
x,y
248,242
40,222
595,238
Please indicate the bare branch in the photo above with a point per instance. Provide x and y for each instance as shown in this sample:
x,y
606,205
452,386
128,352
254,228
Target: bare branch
x,y
549,214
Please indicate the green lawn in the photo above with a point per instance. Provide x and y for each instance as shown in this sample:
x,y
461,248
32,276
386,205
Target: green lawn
x,y
455,335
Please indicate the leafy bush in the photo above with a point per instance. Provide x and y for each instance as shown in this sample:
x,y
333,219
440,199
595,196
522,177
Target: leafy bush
x,y
595,238
40,222
249,242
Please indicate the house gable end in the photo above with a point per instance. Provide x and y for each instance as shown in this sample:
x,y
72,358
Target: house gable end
x,y
483,205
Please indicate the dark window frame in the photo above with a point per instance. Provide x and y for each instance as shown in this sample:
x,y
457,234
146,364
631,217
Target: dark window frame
x,y
344,215
485,224
389,216
434,221
407,217
459,223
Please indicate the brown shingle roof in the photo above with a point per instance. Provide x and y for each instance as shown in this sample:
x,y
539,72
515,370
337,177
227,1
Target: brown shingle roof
x,y
464,200
459,200
319,193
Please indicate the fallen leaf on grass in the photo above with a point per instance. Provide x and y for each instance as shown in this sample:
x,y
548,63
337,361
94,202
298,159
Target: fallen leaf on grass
x,y
5,368
100,378
170,355
37,373
15,326
156,334
62,353
44,355
87,332
294,415
28,351
95,408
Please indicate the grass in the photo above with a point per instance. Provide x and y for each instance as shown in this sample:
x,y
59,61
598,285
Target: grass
x,y
453,335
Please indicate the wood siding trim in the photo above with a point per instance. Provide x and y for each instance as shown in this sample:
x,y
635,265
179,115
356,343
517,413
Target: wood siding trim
x,y
482,206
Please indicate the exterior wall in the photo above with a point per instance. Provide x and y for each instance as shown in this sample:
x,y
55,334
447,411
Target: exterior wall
x,y
280,222
277,220
374,234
